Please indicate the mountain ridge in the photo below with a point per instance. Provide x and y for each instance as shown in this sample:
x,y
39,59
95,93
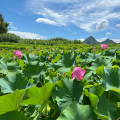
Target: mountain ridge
x,y
92,40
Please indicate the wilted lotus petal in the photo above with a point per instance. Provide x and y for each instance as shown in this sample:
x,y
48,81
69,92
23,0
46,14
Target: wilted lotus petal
x,y
49,58
78,73
64,74
17,53
104,46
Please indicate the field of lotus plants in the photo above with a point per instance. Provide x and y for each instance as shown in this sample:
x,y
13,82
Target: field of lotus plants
x,y
56,84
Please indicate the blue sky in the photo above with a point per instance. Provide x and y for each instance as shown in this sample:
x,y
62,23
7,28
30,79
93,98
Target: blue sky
x,y
71,19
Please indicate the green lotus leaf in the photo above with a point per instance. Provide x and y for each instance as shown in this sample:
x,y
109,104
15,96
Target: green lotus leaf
x,y
110,54
6,67
75,111
13,115
34,69
36,96
93,56
64,64
12,82
107,108
68,91
99,62
111,78
11,102
113,96
102,103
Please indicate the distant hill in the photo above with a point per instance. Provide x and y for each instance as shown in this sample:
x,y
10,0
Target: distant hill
x,y
107,41
92,40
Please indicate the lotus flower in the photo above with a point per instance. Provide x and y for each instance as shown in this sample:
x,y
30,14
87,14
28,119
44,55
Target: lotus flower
x,y
51,49
104,46
61,52
49,58
78,49
14,58
94,48
78,73
38,49
17,53
59,74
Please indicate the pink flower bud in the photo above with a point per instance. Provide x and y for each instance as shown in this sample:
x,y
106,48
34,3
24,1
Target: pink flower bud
x,y
49,58
51,49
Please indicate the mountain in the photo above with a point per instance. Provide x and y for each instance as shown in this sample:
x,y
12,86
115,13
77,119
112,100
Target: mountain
x,y
90,40
107,41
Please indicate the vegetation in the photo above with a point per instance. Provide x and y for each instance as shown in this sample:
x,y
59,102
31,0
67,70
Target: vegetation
x,y
40,81
52,41
58,79
3,25
6,37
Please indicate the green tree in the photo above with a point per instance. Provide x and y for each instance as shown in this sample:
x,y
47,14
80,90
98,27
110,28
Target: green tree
x,y
3,25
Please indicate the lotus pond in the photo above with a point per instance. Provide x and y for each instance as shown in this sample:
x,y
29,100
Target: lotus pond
x,y
56,84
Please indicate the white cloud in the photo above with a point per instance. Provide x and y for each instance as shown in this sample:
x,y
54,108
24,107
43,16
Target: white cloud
x,y
11,26
82,39
27,35
74,33
47,21
116,40
102,25
102,39
84,14
108,33
10,23
118,25
59,19
60,1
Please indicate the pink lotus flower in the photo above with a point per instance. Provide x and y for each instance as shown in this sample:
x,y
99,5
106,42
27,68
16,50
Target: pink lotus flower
x,y
14,58
94,48
49,58
78,49
17,53
61,52
104,46
38,49
78,73
59,74
51,49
